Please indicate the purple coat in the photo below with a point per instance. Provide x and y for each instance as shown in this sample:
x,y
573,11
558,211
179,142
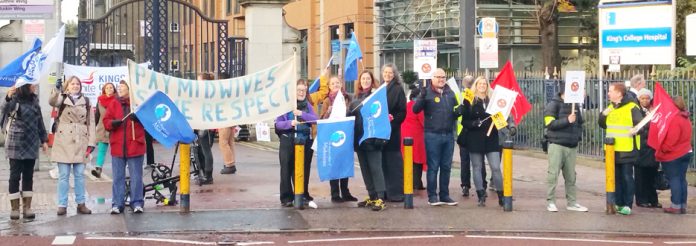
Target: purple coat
x,y
282,123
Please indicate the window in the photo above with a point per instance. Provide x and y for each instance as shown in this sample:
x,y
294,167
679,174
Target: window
x,y
236,7
229,7
205,56
304,56
348,30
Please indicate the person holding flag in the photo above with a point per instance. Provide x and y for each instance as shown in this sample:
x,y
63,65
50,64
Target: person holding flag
x,y
74,142
292,128
369,150
481,144
392,160
339,187
670,135
127,140
317,92
618,119
438,102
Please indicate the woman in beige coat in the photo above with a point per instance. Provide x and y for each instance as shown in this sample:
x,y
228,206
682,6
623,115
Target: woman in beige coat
x,y
74,141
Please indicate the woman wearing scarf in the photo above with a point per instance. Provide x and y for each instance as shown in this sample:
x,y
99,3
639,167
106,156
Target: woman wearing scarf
x,y
74,142
108,95
392,161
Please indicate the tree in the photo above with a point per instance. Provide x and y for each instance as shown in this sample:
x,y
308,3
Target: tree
x,y
71,28
547,17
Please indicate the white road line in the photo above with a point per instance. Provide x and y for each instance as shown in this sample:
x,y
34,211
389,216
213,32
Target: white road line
x,y
252,243
151,240
63,240
368,238
685,242
559,239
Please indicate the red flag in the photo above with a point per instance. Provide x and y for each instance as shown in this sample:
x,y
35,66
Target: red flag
x,y
506,78
665,111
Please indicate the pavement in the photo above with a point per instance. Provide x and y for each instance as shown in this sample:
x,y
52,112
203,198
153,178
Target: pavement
x,y
248,202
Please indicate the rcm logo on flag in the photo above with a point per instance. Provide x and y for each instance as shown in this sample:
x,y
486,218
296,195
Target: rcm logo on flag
x,y
163,112
376,109
32,65
338,138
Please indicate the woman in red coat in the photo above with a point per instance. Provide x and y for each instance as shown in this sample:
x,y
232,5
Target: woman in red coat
x,y
413,128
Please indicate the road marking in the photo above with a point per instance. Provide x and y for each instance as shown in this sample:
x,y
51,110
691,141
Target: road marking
x,y
368,238
686,242
63,240
252,243
559,239
151,239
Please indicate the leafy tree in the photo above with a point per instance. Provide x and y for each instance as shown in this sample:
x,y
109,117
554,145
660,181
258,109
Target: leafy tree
x,y
547,17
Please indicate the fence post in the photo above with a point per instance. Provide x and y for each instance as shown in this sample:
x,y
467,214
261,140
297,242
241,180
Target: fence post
x,y
408,173
609,159
299,175
507,175
184,177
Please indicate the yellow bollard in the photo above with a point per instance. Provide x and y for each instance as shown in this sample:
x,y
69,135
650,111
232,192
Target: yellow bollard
x,y
408,173
507,176
184,177
609,161
299,175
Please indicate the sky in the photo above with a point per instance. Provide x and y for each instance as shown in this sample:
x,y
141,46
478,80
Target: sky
x,y
69,10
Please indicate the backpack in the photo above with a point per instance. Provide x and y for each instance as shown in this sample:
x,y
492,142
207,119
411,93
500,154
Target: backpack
x,y
54,128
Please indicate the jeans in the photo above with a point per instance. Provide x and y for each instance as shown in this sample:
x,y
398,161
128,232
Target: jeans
x,y
371,168
625,185
493,162
64,170
561,159
286,154
439,149
101,153
676,173
21,170
118,188
465,174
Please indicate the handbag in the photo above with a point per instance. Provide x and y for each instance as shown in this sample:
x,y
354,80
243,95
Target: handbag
x,y
661,181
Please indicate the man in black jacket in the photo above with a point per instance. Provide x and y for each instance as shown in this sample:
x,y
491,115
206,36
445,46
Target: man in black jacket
x,y
564,130
438,103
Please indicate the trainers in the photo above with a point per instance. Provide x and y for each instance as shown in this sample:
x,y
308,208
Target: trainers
x,y
366,203
434,202
228,170
378,205
312,204
576,207
115,210
138,210
551,207
448,201
624,210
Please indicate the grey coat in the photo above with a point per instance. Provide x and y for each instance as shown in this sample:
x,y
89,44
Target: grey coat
x,y
76,130
26,131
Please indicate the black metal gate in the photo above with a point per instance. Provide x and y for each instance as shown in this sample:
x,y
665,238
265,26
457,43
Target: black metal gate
x,y
174,36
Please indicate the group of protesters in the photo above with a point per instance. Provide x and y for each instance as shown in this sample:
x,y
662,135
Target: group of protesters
x,y
435,117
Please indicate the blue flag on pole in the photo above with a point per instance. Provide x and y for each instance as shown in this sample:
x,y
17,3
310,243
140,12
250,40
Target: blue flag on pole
x,y
21,67
354,54
162,119
317,82
335,148
375,115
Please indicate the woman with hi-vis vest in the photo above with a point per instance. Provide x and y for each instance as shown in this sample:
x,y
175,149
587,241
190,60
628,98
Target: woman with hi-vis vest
x,y
618,119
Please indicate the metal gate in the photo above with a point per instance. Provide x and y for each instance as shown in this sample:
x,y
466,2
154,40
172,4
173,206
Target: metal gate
x,y
173,36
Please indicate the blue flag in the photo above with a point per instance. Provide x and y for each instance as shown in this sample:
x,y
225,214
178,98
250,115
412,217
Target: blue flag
x,y
335,148
354,54
162,119
315,86
25,65
375,115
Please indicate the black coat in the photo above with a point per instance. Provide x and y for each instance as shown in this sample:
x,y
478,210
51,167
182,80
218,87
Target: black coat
x,y
476,139
27,132
440,116
559,130
396,102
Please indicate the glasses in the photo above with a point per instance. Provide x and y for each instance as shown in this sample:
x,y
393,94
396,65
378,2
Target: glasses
x,y
440,77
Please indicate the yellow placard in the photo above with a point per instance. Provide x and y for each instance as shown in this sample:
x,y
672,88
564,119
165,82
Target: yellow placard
x,y
499,120
469,95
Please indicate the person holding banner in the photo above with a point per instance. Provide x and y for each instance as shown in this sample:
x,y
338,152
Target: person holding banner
x,y
339,187
74,141
479,142
370,151
646,167
206,138
107,96
438,102
292,128
26,133
618,119
675,152
127,140
564,131
392,160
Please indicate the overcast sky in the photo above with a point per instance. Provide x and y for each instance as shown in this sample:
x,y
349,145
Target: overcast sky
x,y
69,8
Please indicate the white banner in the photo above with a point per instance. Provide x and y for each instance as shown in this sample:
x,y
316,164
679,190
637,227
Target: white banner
x,y
213,104
424,58
94,78
488,53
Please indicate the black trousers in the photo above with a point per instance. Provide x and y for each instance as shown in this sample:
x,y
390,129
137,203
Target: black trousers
x,y
150,151
205,151
393,167
286,154
21,170
645,185
339,187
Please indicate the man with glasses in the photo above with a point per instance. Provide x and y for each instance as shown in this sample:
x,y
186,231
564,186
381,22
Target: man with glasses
x,y
438,102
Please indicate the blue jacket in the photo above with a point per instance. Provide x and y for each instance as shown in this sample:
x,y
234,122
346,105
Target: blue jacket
x,y
440,114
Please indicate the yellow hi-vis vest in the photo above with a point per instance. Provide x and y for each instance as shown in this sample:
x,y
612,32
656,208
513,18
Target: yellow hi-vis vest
x,y
459,119
619,124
